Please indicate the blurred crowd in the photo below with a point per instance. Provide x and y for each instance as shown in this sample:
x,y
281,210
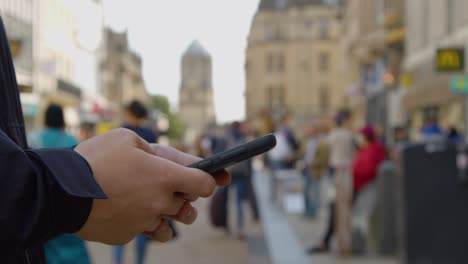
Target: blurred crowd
x,y
217,139
69,248
339,165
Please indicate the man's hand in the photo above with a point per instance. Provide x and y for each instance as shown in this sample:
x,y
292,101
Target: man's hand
x,y
145,183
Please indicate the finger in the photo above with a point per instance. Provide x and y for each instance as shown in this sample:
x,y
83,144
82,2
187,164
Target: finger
x,y
162,234
187,197
222,177
193,182
144,145
136,140
174,206
187,214
174,155
154,225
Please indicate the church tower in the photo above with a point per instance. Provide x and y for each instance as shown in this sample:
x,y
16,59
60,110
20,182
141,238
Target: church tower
x,y
196,106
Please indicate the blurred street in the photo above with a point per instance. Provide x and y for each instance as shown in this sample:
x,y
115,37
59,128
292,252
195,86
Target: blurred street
x,y
364,104
201,244
198,244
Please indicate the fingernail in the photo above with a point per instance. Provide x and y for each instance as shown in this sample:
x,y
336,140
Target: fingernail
x,y
152,229
162,227
188,212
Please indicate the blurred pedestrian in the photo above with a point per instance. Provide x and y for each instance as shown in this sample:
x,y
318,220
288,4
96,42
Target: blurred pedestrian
x,y
65,248
366,163
401,140
370,155
87,190
283,156
54,135
311,184
239,172
379,132
136,114
87,131
251,194
342,150
341,147
431,129
454,136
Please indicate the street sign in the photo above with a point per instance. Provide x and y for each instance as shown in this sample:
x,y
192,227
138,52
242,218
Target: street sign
x,y
459,84
450,59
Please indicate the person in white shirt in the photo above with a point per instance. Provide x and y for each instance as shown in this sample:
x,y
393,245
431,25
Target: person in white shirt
x,y
341,147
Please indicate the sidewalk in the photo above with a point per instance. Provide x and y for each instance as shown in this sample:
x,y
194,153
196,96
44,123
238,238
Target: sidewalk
x,y
309,233
298,233
198,244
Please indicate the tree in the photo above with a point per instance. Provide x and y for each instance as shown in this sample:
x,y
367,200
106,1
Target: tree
x,y
161,103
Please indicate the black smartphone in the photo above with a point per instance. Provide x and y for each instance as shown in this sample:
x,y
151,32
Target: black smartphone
x,y
237,154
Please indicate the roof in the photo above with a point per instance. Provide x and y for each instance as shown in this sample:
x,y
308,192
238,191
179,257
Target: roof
x,y
281,4
196,49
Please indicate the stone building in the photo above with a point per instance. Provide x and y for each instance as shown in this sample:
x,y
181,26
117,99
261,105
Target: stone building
x,y
196,106
373,42
122,78
293,62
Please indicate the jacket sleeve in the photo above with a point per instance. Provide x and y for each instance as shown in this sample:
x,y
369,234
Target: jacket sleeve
x,y
43,193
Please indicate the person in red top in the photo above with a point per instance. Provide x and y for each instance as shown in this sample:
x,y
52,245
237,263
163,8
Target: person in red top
x,y
367,160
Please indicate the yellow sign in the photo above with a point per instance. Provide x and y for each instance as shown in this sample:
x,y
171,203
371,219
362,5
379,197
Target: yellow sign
x,y
15,47
406,80
450,59
103,127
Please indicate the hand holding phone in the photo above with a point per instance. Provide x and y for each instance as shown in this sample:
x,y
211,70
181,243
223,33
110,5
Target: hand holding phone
x,y
237,154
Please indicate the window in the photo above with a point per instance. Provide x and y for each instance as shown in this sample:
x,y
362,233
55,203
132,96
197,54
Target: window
x,y
270,62
276,96
271,96
273,32
324,99
280,4
323,28
275,62
379,12
279,62
323,61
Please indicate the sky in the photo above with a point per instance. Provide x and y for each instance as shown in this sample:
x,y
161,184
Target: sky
x,y
160,31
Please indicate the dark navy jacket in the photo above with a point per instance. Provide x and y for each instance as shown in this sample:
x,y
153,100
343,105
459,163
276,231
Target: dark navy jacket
x,y
43,193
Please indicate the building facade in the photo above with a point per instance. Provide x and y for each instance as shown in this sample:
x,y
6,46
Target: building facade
x,y
196,105
433,24
293,62
18,17
373,51
122,77
55,45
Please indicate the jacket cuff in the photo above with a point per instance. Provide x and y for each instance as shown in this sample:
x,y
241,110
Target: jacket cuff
x,y
71,171
73,190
